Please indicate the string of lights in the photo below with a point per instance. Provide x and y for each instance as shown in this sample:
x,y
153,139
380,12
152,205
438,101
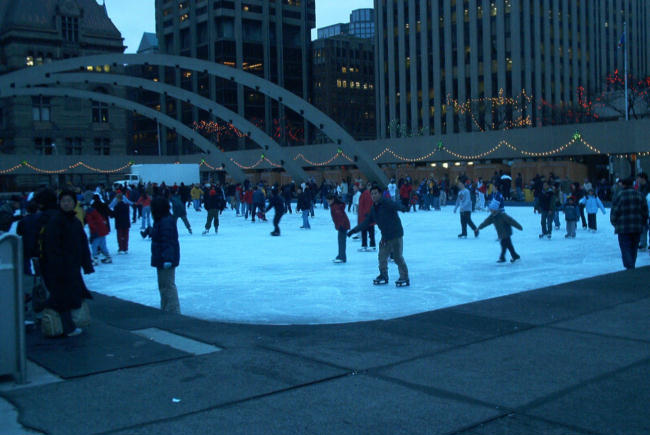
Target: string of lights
x,y
338,154
405,159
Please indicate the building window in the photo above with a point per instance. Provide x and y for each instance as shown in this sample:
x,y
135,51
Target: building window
x,y
44,145
29,61
70,29
100,112
102,146
41,108
73,146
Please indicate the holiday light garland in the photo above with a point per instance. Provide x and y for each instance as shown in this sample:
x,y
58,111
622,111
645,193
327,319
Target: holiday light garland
x,y
339,153
63,170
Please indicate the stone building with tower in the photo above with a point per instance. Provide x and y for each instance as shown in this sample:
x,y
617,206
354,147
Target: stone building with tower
x,y
38,32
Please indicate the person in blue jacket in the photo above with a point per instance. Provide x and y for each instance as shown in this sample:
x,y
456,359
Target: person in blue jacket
x,y
165,254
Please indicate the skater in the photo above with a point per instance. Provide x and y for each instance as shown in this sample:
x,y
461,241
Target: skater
x,y
196,194
122,223
145,203
503,223
365,205
165,254
465,203
341,223
303,205
629,215
258,204
546,208
571,213
179,211
99,228
213,203
384,214
277,203
592,203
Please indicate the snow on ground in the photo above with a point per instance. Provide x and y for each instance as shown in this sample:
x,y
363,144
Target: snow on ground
x,y
242,274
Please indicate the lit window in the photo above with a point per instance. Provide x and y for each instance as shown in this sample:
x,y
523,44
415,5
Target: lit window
x,y
100,112
344,70
41,108
29,61
339,83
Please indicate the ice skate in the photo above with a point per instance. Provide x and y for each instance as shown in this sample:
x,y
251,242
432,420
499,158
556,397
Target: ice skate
x,y
476,233
515,258
462,236
205,232
107,260
380,280
338,260
275,233
501,260
403,282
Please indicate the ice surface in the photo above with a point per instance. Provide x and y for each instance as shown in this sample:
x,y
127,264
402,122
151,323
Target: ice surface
x,y
242,274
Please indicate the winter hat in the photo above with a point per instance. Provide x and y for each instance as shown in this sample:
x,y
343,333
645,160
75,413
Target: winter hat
x,y
494,205
213,192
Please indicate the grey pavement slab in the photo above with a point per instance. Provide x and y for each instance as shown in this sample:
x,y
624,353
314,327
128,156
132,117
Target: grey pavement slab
x,y
451,326
631,320
566,301
356,346
350,405
517,369
122,398
614,405
98,349
517,424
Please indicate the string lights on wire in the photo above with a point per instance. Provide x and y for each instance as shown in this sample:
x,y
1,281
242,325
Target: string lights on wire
x,y
64,170
338,154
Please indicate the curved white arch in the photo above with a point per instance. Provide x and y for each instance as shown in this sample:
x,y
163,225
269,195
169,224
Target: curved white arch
x,y
328,126
235,172
255,133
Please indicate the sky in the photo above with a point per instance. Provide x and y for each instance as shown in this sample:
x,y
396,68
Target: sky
x,y
242,274
134,17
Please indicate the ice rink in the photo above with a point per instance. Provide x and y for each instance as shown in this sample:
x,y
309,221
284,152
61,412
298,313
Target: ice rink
x,y
242,274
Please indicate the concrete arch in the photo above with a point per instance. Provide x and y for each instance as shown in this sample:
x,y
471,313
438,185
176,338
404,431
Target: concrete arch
x,y
234,171
275,150
328,126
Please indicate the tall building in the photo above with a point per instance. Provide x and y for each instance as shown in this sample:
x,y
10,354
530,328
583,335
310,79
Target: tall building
x,y
37,32
344,83
361,25
448,66
268,38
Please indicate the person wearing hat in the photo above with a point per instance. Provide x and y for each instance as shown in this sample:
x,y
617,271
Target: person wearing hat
x,y
503,223
7,212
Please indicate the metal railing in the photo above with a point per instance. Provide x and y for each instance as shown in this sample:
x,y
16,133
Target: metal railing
x,y
12,329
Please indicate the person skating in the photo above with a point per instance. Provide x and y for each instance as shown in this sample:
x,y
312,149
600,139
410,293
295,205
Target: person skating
x,y
365,204
571,214
303,205
384,214
546,208
213,203
592,203
341,223
276,202
179,211
503,223
464,202
122,223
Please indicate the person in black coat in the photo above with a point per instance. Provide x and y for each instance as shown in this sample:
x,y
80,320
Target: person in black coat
x,y
64,253
277,203
122,224
165,254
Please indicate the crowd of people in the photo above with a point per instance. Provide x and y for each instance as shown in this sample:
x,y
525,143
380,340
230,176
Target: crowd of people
x,y
53,226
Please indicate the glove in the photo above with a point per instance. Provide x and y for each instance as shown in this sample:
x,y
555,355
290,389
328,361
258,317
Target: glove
x,y
167,265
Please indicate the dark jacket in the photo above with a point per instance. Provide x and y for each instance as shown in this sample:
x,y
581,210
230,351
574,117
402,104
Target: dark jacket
x,y
121,213
304,201
546,201
503,223
384,214
276,202
164,243
337,210
258,198
571,212
29,229
178,207
214,202
64,253
629,212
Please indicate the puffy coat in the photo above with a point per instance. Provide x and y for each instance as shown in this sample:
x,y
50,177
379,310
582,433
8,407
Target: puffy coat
x,y
97,223
121,213
384,214
64,253
503,223
340,218
164,243
365,204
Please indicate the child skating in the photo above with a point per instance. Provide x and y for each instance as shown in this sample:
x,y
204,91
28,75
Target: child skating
x,y
503,224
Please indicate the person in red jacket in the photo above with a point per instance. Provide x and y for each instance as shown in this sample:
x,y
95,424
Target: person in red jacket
x,y
405,194
341,223
98,225
365,204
